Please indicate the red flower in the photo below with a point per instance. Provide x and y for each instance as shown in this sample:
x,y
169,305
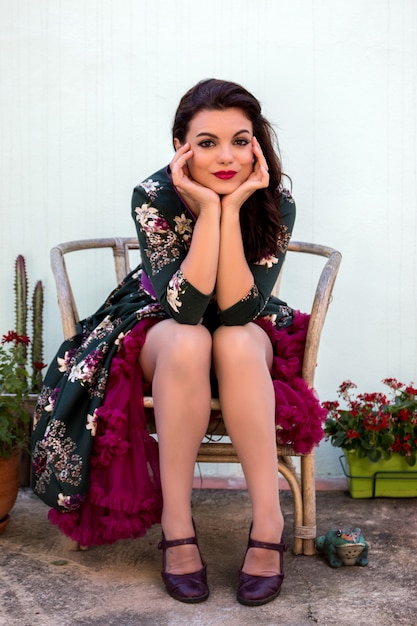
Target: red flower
x,y
392,382
346,386
352,434
404,415
13,336
331,406
38,365
374,425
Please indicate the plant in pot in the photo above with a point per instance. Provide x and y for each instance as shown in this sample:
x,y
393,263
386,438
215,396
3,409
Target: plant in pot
x,y
18,390
378,435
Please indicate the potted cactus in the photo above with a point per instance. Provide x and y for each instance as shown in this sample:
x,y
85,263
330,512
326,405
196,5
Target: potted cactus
x,y
19,386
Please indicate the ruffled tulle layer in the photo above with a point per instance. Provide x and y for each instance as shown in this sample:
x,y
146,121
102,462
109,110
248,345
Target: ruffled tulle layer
x,y
124,497
298,414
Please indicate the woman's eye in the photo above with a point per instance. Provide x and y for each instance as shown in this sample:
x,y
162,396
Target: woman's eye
x,y
207,143
242,142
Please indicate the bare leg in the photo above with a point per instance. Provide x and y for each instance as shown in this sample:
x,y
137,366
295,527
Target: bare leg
x,y
242,357
177,359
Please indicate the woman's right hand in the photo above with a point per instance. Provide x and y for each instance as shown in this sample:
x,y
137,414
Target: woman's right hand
x,y
195,195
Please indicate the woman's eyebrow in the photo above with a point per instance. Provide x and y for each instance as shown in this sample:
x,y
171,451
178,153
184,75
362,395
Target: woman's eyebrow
x,y
239,132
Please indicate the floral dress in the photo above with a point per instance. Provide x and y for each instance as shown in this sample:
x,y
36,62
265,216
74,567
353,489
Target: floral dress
x,y
94,461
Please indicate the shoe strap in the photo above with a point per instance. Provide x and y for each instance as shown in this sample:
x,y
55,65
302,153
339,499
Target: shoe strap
x,y
164,544
279,547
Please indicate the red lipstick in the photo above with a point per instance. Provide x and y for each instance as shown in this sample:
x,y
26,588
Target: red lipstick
x,y
225,174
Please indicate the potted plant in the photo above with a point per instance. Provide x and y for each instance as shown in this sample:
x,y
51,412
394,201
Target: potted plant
x,y
18,391
378,435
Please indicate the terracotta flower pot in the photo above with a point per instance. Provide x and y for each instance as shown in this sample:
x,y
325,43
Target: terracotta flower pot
x,y
9,487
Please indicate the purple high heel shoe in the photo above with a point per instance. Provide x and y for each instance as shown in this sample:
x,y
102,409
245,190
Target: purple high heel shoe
x,y
257,590
191,588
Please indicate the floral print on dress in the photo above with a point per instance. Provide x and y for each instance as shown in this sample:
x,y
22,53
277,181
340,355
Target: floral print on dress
x,y
65,363
70,503
252,293
99,388
45,402
101,331
283,240
269,261
56,454
154,309
89,372
151,220
151,187
183,226
283,318
286,193
86,370
163,247
176,287
92,423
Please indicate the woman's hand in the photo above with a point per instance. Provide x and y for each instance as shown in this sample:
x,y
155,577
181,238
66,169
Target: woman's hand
x,y
258,179
195,195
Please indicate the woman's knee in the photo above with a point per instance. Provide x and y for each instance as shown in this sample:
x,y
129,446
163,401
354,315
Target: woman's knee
x,y
183,343
190,342
179,347
237,344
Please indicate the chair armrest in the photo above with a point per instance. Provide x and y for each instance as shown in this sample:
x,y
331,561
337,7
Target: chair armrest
x,y
66,302
320,303
120,247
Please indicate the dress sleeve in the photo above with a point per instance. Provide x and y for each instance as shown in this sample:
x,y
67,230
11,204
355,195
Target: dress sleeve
x,y
265,272
164,232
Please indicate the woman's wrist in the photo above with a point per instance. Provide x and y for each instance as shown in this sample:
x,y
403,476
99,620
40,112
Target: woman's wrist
x,y
210,208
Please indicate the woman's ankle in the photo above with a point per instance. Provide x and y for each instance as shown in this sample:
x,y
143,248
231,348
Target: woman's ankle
x,y
175,526
183,560
268,528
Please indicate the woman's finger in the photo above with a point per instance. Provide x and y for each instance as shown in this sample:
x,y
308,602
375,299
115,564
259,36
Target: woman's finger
x,y
257,150
181,156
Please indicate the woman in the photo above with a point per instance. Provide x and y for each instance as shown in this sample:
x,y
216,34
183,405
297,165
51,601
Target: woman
x,y
213,228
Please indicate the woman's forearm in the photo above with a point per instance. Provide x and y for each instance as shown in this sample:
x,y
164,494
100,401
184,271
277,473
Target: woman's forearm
x,y
234,278
200,265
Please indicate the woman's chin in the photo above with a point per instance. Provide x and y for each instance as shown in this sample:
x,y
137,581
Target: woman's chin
x,y
225,187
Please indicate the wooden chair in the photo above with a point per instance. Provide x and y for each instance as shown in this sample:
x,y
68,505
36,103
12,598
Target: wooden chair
x,y
213,449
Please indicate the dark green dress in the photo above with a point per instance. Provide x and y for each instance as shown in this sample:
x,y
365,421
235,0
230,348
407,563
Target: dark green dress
x,y
94,462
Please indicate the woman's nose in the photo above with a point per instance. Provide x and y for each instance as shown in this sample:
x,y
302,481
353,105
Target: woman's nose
x,y
225,154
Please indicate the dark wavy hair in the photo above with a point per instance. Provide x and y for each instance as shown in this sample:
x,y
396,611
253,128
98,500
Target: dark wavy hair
x,y
260,217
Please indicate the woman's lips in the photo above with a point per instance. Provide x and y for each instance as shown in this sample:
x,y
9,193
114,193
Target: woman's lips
x,y
225,175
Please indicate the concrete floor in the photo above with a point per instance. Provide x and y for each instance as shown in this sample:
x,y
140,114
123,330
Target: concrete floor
x,y
43,583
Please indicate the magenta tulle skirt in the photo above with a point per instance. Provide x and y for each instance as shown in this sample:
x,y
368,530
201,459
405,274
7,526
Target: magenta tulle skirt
x,y
124,497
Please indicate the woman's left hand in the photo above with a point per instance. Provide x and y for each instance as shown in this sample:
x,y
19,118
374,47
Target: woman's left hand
x,y
258,179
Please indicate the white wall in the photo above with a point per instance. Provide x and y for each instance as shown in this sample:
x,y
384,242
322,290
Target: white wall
x,y
88,90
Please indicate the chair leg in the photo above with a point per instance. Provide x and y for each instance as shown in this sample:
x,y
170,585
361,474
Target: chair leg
x,y
308,486
74,546
295,487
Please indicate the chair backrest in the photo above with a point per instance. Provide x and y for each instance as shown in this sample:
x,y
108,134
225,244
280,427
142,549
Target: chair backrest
x,y
121,247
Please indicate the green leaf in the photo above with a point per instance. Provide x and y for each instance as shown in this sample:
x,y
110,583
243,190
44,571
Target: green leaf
x,y
374,455
411,460
387,440
339,439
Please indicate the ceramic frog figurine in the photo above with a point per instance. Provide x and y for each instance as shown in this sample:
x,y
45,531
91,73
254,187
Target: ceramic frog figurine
x,y
345,546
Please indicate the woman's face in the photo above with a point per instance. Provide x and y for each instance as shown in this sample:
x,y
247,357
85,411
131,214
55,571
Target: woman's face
x,y
221,142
